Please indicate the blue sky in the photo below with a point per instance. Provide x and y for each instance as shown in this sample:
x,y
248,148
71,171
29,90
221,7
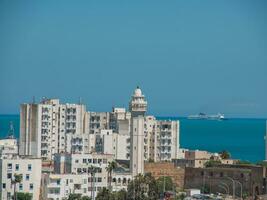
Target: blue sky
x,y
187,56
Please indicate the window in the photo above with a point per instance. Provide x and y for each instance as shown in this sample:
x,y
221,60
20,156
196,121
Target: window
x,y
27,177
9,166
17,167
20,186
99,179
29,167
31,186
221,174
9,175
4,186
58,182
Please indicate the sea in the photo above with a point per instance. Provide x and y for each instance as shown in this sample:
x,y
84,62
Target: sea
x,y
243,138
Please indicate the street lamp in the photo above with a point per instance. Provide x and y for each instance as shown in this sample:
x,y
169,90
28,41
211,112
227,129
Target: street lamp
x,y
233,185
225,185
241,189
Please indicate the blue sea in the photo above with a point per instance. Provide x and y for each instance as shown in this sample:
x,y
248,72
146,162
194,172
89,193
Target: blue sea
x,y
243,138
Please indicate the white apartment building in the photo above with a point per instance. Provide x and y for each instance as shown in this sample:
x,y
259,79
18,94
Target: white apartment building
x,y
43,127
73,175
150,138
167,140
78,143
120,121
98,121
29,168
113,143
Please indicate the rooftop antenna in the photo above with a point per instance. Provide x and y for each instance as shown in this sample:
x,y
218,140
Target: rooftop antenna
x,y
10,134
33,100
80,100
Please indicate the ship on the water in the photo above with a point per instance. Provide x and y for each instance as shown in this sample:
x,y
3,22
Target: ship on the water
x,y
218,116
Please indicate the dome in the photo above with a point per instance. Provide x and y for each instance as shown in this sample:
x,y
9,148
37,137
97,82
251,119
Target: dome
x,y
138,92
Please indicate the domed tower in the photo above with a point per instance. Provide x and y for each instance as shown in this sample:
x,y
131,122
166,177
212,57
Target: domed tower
x,y
138,108
138,104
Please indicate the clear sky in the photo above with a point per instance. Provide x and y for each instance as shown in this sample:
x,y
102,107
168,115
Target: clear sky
x,y
187,56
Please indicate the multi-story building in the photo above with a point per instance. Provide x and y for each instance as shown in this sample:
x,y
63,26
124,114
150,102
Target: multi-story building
x,y
98,121
83,174
116,144
120,121
150,138
167,141
28,168
43,127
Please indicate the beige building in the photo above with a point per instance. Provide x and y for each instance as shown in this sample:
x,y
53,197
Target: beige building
x,y
28,168
43,127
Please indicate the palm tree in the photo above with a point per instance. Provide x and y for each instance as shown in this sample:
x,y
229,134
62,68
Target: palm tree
x,y
225,154
17,179
111,166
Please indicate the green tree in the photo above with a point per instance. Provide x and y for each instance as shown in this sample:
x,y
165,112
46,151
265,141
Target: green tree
x,y
17,179
165,183
74,196
104,194
111,166
24,196
225,154
212,163
120,195
143,187
78,197
86,198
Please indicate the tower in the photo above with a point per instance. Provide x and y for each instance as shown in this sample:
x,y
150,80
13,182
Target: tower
x,y
138,108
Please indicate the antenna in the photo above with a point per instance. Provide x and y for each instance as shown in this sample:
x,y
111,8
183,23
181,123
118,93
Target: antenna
x,y
33,100
80,100
10,134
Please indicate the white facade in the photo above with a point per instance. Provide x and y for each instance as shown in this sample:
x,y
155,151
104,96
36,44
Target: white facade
x,y
137,107
29,168
167,141
150,138
73,175
60,186
120,181
43,127
8,147
98,121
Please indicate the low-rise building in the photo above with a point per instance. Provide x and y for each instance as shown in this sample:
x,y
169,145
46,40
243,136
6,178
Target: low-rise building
x,y
83,174
121,180
30,170
8,147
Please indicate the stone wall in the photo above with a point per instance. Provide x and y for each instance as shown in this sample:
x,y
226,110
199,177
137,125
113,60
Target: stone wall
x,y
166,169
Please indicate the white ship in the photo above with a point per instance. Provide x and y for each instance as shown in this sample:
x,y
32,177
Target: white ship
x,y
218,116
